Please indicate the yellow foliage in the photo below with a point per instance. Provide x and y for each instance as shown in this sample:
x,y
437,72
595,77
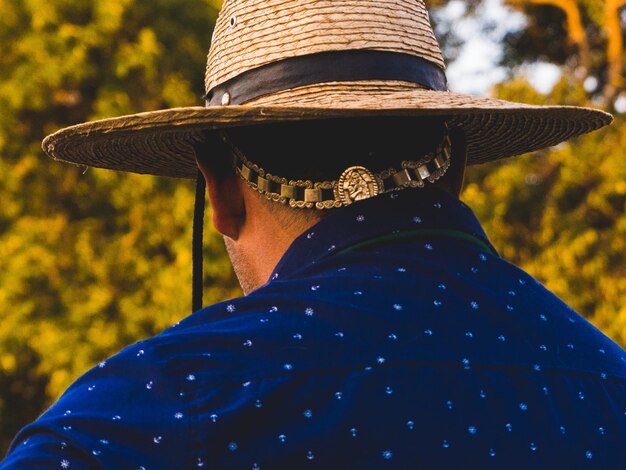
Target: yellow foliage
x,y
8,363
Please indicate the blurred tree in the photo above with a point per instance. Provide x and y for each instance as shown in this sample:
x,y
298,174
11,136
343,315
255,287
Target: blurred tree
x,y
561,214
90,261
584,35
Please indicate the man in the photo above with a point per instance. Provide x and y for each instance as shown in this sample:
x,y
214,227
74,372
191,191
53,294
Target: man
x,y
380,327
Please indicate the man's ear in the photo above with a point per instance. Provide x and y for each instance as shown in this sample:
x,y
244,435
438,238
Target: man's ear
x,y
225,197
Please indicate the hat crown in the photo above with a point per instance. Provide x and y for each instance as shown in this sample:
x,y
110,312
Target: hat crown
x,y
252,33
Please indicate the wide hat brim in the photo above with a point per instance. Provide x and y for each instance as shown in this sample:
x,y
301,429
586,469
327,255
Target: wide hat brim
x,y
161,142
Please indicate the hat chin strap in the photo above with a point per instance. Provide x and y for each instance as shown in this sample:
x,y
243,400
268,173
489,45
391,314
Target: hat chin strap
x,y
198,234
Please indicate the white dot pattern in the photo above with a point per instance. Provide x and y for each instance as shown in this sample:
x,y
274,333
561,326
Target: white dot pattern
x,y
425,351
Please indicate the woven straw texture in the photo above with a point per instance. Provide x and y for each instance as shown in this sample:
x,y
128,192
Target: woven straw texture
x,y
250,34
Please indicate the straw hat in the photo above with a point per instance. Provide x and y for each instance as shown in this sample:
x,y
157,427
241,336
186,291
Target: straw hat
x,y
285,60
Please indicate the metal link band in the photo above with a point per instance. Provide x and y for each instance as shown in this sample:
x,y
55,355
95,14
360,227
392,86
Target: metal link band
x,y
326,194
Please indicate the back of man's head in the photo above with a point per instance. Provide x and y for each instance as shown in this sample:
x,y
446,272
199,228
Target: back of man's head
x,y
321,150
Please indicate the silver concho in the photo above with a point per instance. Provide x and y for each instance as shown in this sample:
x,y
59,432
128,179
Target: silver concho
x,y
357,183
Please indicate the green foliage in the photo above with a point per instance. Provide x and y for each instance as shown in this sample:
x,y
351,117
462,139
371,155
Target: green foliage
x,y
91,261
544,38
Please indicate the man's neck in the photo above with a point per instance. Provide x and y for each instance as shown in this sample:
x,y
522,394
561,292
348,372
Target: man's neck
x,y
264,238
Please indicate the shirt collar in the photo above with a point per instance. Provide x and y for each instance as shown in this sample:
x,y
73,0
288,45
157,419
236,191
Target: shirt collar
x,y
393,213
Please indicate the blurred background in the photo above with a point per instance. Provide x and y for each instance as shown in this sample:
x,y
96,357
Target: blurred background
x,y
93,260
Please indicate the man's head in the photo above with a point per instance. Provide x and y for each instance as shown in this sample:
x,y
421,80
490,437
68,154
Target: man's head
x,y
270,62
258,230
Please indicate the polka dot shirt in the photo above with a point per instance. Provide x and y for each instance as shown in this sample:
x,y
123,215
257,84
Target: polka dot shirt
x,y
391,335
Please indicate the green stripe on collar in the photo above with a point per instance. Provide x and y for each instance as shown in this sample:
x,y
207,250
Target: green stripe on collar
x,y
421,234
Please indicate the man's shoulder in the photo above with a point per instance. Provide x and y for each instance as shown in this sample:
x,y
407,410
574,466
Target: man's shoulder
x,y
340,312
122,408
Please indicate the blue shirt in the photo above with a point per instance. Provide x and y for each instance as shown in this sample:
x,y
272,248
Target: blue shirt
x,y
391,335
